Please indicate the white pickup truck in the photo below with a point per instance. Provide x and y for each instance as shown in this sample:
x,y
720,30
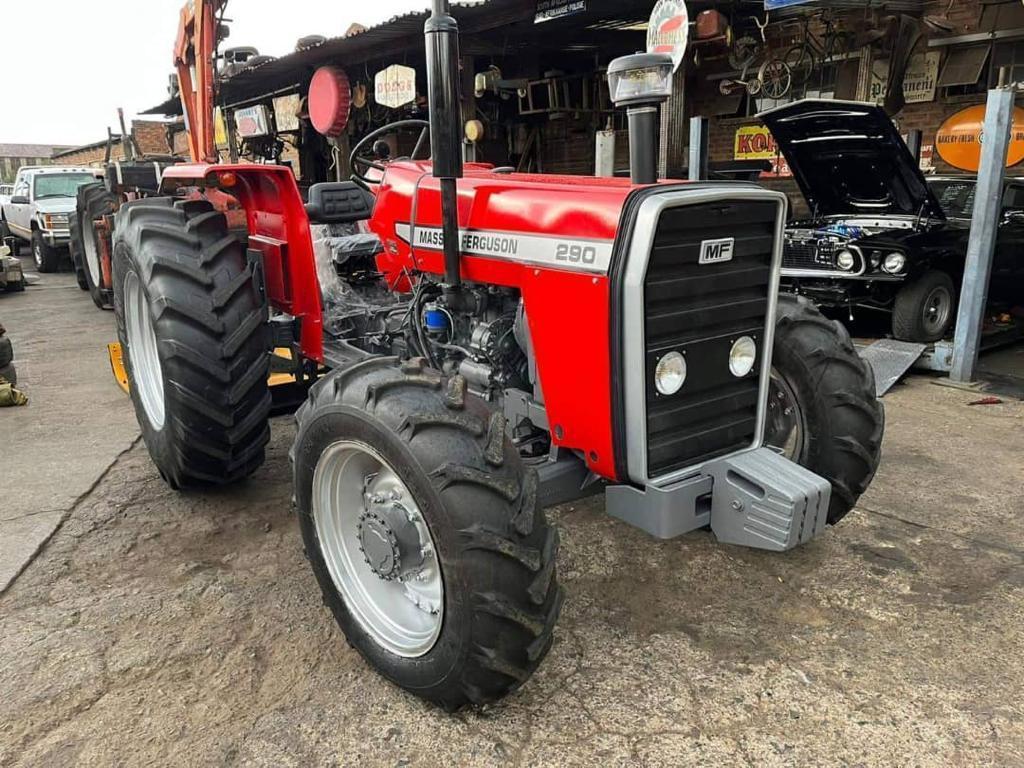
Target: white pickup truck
x,y
41,203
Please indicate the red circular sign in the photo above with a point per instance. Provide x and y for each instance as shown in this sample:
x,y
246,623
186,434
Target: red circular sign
x,y
330,99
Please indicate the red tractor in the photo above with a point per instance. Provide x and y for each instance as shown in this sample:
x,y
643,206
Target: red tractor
x,y
504,342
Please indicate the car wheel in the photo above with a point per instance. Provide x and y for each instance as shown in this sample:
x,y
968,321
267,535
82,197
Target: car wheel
x,y
924,309
46,257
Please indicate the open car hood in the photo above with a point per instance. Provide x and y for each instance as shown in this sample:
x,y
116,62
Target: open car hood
x,y
848,158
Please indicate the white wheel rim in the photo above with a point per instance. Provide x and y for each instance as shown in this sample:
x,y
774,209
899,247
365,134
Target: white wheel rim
x,y
37,254
147,374
403,615
92,258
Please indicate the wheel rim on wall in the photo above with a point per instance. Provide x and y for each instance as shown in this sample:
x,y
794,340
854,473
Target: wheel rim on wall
x,y
147,373
92,258
403,615
785,426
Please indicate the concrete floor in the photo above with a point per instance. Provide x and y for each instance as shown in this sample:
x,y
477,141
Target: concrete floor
x,y
186,629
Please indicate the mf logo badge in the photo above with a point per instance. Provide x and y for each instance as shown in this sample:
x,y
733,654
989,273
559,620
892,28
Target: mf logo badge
x,y
715,251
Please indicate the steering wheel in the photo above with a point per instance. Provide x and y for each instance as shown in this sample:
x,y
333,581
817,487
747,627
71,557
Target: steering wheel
x,y
361,164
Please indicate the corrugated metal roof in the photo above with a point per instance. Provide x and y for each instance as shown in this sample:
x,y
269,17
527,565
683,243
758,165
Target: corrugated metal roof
x,y
405,33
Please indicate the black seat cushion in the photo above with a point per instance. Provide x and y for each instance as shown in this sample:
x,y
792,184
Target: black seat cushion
x,y
338,202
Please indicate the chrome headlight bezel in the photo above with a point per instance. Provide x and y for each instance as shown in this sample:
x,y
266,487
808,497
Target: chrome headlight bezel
x,y
894,263
742,356
847,256
670,364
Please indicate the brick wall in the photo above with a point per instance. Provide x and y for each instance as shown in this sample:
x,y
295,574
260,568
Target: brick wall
x,y
150,135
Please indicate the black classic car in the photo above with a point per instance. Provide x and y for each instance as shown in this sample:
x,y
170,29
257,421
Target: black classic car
x,y
881,236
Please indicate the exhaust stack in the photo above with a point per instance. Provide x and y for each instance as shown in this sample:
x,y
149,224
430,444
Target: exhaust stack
x,y
442,46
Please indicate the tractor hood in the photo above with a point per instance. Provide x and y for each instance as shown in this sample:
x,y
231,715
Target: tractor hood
x,y
848,158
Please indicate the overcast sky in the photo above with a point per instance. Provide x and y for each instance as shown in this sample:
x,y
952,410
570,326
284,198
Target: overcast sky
x,y
68,64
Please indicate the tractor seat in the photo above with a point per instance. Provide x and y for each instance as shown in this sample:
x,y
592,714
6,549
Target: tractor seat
x,y
338,202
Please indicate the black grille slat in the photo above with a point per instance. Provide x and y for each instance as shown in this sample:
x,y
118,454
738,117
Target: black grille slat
x,y
700,309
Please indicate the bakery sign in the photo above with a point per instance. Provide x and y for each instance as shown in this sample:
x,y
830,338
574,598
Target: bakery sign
x,y
919,81
959,139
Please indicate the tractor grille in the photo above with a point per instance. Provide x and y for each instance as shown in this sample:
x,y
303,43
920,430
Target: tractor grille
x,y
700,310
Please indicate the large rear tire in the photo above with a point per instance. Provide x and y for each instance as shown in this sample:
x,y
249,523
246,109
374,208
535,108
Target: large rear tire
x,y
94,202
490,625
75,249
822,409
192,325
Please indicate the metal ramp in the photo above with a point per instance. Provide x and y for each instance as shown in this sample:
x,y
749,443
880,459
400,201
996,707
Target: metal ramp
x,y
890,360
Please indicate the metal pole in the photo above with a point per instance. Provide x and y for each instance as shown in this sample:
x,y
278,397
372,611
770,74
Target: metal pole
x,y
988,198
442,47
698,149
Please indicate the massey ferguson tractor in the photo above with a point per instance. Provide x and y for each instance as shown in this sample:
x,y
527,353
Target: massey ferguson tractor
x,y
504,342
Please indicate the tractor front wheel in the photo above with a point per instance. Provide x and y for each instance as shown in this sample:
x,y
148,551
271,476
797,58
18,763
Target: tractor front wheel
x,y
422,526
192,325
822,409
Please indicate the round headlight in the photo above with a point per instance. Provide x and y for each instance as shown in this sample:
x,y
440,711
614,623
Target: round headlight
x,y
894,263
670,373
845,260
742,356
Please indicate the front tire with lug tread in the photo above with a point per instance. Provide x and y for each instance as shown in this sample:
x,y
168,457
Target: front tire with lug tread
x,y
192,325
495,548
822,398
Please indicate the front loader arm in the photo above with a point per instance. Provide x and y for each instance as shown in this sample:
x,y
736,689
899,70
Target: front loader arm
x,y
194,52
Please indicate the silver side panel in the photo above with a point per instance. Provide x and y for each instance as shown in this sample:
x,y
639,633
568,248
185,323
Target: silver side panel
x,y
633,320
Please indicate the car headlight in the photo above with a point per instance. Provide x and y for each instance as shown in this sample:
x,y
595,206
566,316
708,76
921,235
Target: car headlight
x,y
670,373
55,220
894,263
845,261
742,356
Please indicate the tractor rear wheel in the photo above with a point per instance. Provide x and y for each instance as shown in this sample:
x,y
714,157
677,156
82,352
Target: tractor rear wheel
x,y
423,528
75,249
822,409
192,326
94,202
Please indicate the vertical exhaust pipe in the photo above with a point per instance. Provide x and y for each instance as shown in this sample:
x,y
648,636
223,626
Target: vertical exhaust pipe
x,y
442,45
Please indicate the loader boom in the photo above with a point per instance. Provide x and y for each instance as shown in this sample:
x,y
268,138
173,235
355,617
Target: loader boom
x,y
194,52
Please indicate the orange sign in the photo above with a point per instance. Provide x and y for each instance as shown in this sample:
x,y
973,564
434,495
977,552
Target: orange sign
x,y
959,139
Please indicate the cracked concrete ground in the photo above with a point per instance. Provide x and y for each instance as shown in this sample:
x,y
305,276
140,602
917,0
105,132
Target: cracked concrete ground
x,y
158,628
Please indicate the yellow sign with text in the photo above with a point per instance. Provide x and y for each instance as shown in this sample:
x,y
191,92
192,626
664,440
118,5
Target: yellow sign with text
x,y
754,142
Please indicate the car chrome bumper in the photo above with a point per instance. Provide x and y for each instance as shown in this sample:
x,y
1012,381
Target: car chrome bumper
x,y
56,237
754,498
